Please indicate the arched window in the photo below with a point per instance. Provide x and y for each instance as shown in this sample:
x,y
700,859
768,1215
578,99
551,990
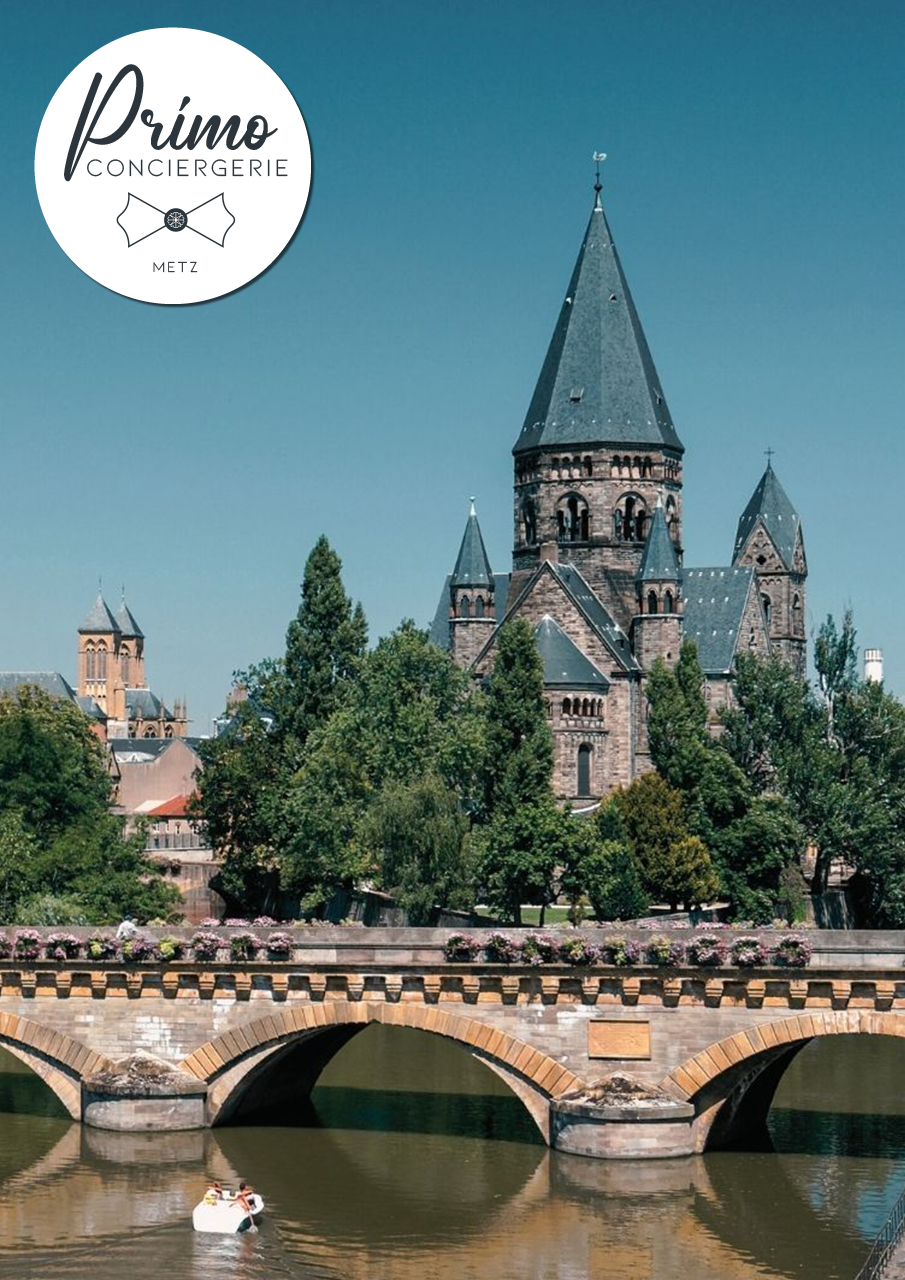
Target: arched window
x,y
637,467
584,769
150,732
630,518
567,706
796,614
672,523
641,526
90,662
652,602
464,607
588,467
669,604
529,522
554,464
626,466
614,467
768,607
101,660
586,707
572,519
646,468
125,655
168,731
479,607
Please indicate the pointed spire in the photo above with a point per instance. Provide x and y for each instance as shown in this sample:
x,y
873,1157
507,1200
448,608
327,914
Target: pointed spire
x,y
99,619
659,562
598,384
472,565
770,504
126,621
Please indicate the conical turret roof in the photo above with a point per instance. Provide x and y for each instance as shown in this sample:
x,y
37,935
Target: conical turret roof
x,y
472,565
659,562
770,503
598,384
126,621
99,618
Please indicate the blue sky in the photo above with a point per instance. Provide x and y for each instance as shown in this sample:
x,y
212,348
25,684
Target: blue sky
x,y
379,374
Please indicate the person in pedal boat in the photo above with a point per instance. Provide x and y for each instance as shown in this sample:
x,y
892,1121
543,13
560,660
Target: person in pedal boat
x,y
213,1193
243,1197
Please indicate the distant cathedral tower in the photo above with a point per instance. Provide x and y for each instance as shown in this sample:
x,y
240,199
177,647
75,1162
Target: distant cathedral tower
x,y
770,539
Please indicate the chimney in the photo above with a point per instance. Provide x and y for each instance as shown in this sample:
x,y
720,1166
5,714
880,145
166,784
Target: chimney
x,y
873,665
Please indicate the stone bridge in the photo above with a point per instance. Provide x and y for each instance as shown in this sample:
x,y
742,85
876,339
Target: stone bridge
x,y
193,1044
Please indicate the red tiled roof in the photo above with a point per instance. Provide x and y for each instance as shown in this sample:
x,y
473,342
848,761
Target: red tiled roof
x,y
177,807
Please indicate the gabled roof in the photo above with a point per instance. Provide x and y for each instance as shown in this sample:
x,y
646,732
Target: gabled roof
x,y
50,681
439,628
99,618
91,708
659,562
147,750
126,621
598,384
175,807
472,565
145,705
714,603
565,666
593,609
770,503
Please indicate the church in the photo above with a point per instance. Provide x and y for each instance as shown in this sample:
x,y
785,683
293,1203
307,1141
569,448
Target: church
x,y
597,559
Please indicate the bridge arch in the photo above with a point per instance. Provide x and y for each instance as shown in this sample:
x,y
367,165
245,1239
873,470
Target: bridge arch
x,y
234,1062
731,1083
61,1061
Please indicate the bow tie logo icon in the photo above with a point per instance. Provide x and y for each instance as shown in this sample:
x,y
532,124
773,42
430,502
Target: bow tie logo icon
x,y
139,219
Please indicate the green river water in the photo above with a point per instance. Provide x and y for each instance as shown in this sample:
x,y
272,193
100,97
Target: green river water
x,y
413,1160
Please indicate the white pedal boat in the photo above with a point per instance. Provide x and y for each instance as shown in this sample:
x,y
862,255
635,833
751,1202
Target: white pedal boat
x,y
226,1215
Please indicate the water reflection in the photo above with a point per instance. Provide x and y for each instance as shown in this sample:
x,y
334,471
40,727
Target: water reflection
x,y
439,1172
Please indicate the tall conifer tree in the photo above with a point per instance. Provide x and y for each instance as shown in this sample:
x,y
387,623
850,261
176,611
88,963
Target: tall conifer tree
x,y
519,745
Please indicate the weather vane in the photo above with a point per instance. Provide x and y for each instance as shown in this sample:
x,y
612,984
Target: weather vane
x,y
598,157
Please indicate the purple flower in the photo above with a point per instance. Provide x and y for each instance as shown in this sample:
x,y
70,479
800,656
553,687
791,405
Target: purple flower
x,y
792,951
706,950
279,944
461,946
205,945
101,946
501,949
619,951
26,944
244,946
664,951
62,946
578,951
748,953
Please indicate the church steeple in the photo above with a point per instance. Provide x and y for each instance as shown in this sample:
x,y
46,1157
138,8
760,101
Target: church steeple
x,y
598,383
472,564
472,608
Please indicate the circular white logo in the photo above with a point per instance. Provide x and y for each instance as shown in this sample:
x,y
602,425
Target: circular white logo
x,y
173,166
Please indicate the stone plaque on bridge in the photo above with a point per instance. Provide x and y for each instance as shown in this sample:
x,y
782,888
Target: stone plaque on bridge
x,y
617,1038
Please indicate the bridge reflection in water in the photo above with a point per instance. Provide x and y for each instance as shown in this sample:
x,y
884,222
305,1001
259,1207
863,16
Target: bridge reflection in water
x,y
441,1173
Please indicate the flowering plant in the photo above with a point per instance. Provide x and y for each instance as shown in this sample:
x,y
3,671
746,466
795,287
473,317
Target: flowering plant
x,y
244,946
138,948
205,945
62,946
460,946
234,922
26,944
706,950
264,922
5,946
619,951
748,953
101,946
578,951
792,951
209,922
664,951
539,948
500,949
279,944
170,948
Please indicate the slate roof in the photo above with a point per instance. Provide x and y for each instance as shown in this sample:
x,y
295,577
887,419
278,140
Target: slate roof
x,y
142,703
146,750
99,618
91,707
125,620
598,384
714,602
439,628
565,666
472,565
591,606
770,503
659,562
50,681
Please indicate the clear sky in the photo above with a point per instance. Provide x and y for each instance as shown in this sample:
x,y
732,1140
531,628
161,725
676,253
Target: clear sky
x,y
379,374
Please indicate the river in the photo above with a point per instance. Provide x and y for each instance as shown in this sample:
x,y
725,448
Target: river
x,y
438,1173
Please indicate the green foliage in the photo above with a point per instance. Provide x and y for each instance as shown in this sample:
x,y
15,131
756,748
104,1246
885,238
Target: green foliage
x,y
613,882
686,875
653,815
43,909
519,744
417,834
517,855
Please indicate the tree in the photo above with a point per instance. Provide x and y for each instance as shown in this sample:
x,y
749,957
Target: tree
x,y
517,854
417,836
519,743
325,643
653,816
613,882
756,853
677,718
685,874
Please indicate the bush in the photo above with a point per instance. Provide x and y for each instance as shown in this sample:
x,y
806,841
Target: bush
x,y
62,946
664,951
101,946
170,948
279,945
792,951
43,909
619,952
264,922
500,949
138,949
5,947
577,951
209,922
748,953
205,945
706,950
26,944
244,946
460,946
540,948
